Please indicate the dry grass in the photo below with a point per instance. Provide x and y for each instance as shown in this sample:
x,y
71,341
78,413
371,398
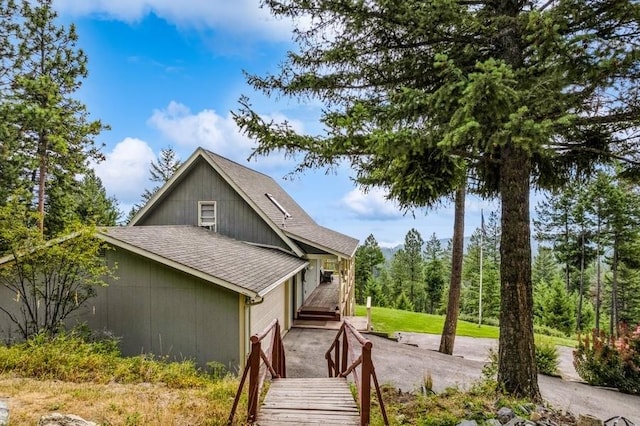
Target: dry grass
x,y
118,404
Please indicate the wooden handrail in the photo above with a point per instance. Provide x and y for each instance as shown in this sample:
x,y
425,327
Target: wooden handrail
x,y
345,362
274,362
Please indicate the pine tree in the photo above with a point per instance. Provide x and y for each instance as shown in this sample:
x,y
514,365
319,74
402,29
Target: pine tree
x,y
55,131
368,257
92,204
160,172
419,95
471,282
557,307
447,339
414,264
434,273
544,268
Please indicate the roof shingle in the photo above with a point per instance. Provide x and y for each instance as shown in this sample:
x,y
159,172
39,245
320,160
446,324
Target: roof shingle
x,y
240,264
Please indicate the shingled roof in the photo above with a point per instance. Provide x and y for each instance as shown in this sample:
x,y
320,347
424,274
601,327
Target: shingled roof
x,y
299,226
233,264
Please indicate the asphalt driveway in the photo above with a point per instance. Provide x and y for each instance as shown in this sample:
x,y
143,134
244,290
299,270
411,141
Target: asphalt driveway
x,y
403,364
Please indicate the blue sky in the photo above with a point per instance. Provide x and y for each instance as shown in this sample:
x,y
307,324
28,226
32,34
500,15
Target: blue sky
x,y
167,73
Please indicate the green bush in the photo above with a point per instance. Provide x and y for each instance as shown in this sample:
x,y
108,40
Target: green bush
x,y
604,361
546,360
547,331
474,319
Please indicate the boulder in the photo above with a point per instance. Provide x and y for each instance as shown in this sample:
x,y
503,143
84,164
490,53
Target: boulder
x,y
588,420
505,414
58,419
4,413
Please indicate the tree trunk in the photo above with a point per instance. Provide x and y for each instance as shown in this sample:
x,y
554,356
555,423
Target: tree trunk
x,y
517,372
567,278
598,279
449,330
581,294
42,179
613,322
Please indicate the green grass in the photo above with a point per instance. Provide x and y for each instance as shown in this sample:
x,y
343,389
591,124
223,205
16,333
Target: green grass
x,y
389,321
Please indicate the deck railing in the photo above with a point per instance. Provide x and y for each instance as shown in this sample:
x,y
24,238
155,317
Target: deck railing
x,y
342,360
274,363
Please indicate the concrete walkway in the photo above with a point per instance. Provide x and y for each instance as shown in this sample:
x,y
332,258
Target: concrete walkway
x,y
404,365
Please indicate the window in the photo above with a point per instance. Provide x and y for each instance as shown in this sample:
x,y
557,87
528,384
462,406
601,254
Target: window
x,y
207,214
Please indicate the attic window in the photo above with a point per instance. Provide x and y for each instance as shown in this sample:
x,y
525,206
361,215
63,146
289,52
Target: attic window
x,y
278,205
207,214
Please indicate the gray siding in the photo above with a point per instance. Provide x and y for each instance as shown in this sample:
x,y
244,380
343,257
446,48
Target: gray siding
x,y
8,330
156,309
235,218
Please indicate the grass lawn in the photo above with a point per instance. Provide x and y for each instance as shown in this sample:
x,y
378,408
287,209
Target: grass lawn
x,y
386,320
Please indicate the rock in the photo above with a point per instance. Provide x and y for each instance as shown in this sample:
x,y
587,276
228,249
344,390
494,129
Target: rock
x,y
58,419
535,416
505,414
467,423
518,421
493,422
588,420
4,413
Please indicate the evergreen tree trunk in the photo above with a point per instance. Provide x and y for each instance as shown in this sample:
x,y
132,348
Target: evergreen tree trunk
x,y
598,280
517,371
449,330
567,277
42,180
613,326
581,295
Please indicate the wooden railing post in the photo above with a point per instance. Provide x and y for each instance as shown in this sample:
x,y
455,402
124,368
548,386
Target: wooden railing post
x,y
345,352
275,364
365,387
344,363
368,313
254,370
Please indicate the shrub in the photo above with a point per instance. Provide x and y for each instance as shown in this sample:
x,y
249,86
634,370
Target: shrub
x,y
546,360
474,319
70,357
547,331
604,361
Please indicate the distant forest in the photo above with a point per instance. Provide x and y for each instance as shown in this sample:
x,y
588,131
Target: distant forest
x,y
585,271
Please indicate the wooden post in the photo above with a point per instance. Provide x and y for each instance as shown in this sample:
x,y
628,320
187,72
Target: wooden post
x,y
254,369
365,388
368,313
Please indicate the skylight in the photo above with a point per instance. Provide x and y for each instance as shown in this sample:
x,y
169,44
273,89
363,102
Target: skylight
x,y
278,205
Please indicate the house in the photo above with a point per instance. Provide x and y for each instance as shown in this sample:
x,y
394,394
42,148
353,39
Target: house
x,y
218,253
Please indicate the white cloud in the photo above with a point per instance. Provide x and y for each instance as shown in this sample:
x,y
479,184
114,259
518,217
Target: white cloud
x,y
212,131
244,17
125,171
371,205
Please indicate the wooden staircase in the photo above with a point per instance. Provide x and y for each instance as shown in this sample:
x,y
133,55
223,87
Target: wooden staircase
x,y
312,401
318,313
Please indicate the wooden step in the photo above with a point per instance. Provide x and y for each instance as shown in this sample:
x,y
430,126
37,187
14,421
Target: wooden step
x,y
325,401
319,316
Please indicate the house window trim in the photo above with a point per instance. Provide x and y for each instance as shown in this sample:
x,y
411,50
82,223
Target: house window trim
x,y
213,226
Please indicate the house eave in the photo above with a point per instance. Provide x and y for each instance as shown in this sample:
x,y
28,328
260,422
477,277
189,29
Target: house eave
x,y
279,281
320,246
